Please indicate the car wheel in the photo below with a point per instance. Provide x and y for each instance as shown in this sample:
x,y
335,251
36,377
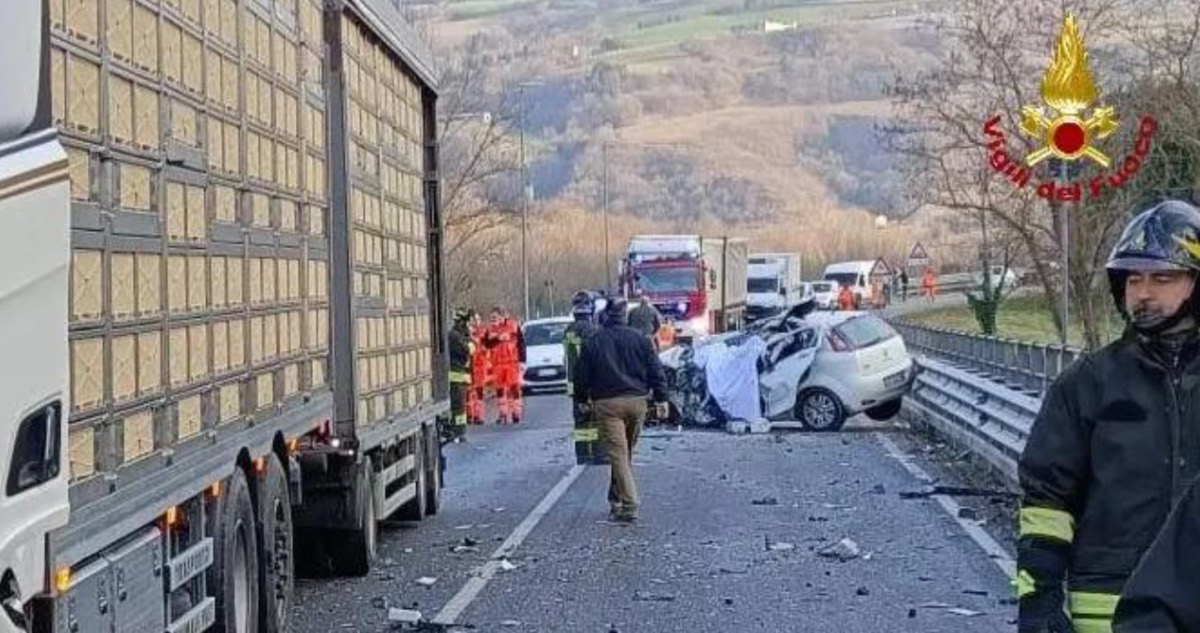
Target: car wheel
x,y
885,411
820,410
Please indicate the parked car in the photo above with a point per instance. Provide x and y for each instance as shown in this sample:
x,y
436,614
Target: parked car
x,y
545,363
1009,275
819,368
825,293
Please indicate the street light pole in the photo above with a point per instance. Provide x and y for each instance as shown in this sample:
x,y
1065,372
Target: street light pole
x,y
607,261
524,205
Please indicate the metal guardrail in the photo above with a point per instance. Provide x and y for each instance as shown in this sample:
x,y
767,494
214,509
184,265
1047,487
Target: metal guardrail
x,y
1023,366
987,418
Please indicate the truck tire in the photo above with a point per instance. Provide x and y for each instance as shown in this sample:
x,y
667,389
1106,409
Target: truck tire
x,y
233,575
433,473
351,552
276,544
416,509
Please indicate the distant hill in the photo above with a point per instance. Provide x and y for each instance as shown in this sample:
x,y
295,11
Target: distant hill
x,y
747,111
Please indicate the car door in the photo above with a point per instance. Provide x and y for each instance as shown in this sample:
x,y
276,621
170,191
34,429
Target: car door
x,y
786,361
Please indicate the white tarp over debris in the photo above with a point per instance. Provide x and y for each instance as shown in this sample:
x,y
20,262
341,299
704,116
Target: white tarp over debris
x,y
732,376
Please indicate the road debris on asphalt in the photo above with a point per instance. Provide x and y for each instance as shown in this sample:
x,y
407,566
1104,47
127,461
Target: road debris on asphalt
x,y
506,565
404,616
765,501
957,491
843,551
642,596
426,581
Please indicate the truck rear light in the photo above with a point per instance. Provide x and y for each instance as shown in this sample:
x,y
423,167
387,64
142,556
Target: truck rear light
x,y
214,490
171,517
838,343
62,579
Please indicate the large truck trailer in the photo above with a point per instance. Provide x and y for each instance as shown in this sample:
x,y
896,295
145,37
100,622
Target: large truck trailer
x,y
222,302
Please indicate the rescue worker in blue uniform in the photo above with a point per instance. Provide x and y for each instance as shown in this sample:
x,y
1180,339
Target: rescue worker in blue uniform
x,y
1117,440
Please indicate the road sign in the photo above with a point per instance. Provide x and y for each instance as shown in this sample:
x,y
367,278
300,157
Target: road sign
x,y
881,268
918,256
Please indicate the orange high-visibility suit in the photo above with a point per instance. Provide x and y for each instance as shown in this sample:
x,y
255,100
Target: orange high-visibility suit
x,y
507,348
929,285
481,367
846,299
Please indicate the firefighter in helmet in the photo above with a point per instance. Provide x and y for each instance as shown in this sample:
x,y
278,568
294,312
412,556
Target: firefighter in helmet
x,y
583,309
1116,442
461,349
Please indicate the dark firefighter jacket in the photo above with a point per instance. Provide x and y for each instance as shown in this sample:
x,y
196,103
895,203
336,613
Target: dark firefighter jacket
x,y
460,355
577,333
1161,596
1115,444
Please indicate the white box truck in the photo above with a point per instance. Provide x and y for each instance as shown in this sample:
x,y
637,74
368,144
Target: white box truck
x,y
222,283
773,283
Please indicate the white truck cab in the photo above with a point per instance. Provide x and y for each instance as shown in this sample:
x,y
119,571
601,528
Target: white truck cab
x,y
34,258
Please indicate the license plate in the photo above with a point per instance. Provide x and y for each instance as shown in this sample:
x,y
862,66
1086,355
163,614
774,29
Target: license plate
x,y
895,380
546,373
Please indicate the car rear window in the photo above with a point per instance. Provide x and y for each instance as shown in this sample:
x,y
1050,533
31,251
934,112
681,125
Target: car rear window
x,y
865,331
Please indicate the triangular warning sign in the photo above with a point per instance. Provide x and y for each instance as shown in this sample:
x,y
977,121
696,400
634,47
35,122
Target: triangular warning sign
x,y
918,252
881,268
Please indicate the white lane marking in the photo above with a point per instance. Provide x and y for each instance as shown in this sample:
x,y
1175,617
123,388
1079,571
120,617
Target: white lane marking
x,y
977,534
475,585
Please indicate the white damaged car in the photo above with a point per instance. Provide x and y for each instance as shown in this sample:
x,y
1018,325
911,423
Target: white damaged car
x,y
815,367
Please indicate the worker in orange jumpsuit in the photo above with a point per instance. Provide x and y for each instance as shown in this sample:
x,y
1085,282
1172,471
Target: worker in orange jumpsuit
x,y
846,299
481,368
929,284
507,347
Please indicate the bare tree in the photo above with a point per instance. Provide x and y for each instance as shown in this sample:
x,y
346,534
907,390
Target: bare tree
x,y
995,56
478,156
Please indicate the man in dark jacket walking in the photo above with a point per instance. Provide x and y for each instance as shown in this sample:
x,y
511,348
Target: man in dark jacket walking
x,y
616,373
1116,442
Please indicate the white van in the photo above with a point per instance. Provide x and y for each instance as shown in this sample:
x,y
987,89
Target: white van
x,y
856,275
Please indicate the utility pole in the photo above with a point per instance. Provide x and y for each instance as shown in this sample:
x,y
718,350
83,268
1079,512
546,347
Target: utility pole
x,y
1064,221
524,205
607,261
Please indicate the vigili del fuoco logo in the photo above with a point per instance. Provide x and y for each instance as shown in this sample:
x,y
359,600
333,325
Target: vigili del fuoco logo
x,y
1072,130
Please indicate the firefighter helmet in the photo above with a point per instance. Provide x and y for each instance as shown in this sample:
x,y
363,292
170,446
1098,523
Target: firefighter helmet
x,y
583,304
1163,237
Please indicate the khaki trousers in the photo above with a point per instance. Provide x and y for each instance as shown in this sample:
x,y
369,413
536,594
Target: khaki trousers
x,y
620,423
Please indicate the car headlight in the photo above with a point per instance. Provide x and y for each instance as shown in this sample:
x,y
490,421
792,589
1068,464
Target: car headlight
x,y
699,325
682,307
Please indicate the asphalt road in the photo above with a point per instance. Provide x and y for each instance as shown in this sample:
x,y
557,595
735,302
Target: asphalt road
x,y
705,556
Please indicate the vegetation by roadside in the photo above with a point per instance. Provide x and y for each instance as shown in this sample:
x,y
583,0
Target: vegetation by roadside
x,y
1027,318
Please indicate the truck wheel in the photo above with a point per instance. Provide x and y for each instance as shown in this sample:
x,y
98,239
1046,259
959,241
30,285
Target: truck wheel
x,y
276,544
415,510
433,474
351,552
233,575
820,410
